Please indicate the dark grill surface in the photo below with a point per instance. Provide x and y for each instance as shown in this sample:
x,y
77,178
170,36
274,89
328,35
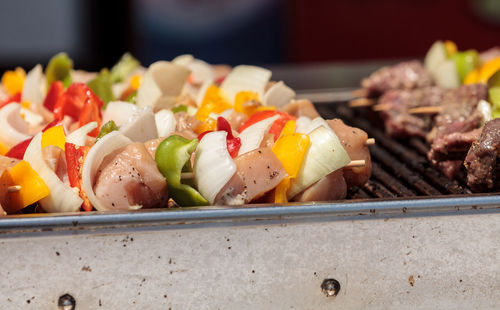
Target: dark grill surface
x,y
400,167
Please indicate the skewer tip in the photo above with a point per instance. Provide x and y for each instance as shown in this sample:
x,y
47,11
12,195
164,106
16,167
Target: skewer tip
x,y
370,141
356,163
426,110
14,188
361,102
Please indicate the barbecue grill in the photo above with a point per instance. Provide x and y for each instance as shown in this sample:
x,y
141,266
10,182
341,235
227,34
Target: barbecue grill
x,y
409,238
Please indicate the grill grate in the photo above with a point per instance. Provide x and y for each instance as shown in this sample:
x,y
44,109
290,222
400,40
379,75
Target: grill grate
x,y
400,167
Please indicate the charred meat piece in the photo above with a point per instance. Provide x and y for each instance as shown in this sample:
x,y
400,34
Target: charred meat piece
x,y
456,125
482,159
405,75
399,123
129,177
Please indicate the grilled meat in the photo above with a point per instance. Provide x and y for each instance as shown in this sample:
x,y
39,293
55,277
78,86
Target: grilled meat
x,y
482,161
456,126
398,122
405,75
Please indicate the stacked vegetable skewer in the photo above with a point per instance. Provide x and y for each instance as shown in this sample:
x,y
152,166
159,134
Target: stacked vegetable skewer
x,y
182,133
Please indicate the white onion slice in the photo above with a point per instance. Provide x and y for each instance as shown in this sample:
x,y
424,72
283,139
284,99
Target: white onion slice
x,y
142,126
203,90
33,86
324,156
308,127
446,74
33,119
301,122
213,166
200,70
105,146
14,128
165,122
62,198
484,108
79,136
183,60
120,112
246,78
252,136
435,56
161,84
278,95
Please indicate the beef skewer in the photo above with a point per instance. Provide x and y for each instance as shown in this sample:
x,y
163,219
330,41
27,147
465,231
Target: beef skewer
x,y
482,160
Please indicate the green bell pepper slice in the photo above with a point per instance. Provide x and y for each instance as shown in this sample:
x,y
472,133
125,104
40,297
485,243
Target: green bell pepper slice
x,y
466,62
494,96
123,67
101,86
59,69
106,128
173,157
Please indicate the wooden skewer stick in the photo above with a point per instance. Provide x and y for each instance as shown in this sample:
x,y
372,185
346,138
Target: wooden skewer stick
x,y
356,163
381,107
187,175
359,93
426,110
370,141
14,189
361,102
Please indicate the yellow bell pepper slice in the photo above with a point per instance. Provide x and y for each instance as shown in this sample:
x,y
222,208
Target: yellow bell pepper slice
x,y
3,149
13,80
208,124
214,102
135,82
243,97
54,136
290,149
450,47
488,69
32,187
472,77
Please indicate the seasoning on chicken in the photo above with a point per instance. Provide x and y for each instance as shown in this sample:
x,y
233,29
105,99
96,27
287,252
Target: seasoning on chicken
x,y
482,161
129,177
353,140
405,75
258,172
330,187
301,107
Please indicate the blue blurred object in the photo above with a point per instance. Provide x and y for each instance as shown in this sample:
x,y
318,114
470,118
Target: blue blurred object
x,y
224,31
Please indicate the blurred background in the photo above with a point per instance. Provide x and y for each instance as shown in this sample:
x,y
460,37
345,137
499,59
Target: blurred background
x,y
273,33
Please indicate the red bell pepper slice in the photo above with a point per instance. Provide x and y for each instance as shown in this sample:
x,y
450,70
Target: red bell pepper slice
x,y
14,98
75,157
74,99
55,93
276,127
18,150
233,143
91,112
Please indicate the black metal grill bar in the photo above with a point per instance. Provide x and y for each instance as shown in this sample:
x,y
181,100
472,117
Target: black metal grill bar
x,y
410,157
390,182
378,190
400,168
